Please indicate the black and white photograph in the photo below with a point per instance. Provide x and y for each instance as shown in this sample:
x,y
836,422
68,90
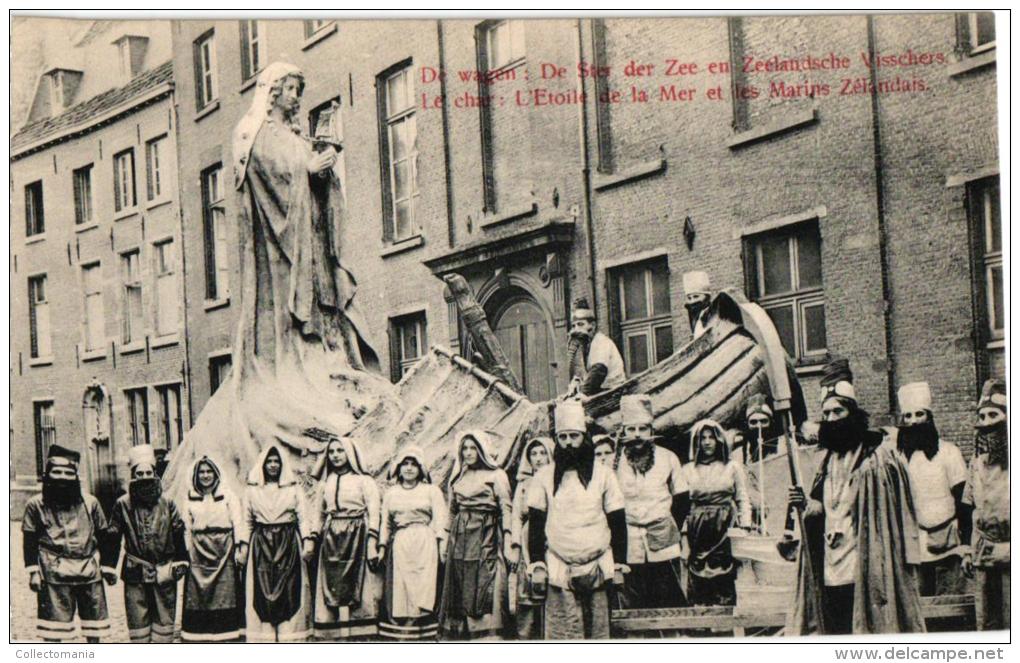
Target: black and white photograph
x,y
508,327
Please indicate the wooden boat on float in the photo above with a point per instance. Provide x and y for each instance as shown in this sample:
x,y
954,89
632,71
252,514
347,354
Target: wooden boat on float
x,y
445,394
738,355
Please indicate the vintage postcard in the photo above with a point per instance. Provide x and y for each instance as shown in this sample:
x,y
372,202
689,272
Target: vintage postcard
x,y
452,328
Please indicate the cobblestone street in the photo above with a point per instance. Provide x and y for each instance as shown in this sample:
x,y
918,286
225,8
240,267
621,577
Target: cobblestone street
x,y
23,600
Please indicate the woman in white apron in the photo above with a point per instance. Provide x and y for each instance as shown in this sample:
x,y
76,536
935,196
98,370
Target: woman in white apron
x,y
412,535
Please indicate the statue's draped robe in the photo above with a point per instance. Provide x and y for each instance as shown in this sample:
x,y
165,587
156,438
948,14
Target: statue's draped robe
x,y
300,357
886,598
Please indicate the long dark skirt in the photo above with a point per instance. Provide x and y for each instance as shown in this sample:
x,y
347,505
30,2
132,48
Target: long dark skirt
x,y
475,579
711,573
212,591
276,557
346,592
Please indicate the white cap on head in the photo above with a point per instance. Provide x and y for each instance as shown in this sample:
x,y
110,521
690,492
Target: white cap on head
x,y
569,416
697,283
636,409
143,454
914,397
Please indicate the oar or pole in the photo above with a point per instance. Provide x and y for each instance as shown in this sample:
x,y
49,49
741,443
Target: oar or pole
x,y
761,478
813,592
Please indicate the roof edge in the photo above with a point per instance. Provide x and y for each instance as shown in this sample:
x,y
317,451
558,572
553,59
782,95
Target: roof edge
x,y
149,96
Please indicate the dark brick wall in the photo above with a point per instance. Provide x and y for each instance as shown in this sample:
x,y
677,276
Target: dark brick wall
x,y
60,256
826,165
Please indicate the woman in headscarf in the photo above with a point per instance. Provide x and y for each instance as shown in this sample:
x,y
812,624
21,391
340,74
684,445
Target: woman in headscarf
x,y
529,602
605,449
474,585
718,501
216,527
412,540
347,590
281,541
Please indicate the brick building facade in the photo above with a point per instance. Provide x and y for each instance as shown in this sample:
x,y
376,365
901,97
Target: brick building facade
x,y
97,319
864,223
870,199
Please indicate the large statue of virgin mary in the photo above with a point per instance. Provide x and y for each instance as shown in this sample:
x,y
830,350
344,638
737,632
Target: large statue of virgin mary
x,y
303,367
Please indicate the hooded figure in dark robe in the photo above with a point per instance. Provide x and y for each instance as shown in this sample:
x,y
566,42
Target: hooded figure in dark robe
x,y
860,528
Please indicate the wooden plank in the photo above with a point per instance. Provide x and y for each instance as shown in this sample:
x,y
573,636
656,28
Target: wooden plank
x,y
957,606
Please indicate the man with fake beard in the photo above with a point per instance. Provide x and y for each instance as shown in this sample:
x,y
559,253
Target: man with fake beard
x,y
697,299
657,501
595,361
937,474
155,555
987,491
859,527
67,553
577,533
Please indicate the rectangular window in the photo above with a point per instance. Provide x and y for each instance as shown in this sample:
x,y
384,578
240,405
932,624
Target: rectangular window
x,y
39,317
311,27
504,41
45,432
214,219
170,427
167,300
138,415
34,223
132,314
92,292
155,168
642,315
399,137
82,195
252,48
124,180
205,70
986,219
219,369
786,278
408,343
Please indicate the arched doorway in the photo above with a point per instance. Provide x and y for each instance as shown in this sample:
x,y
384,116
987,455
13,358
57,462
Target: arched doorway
x,y
98,444
521,327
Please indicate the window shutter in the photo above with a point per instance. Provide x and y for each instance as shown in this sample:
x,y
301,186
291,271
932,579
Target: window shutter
x,y
384,157
32,322
149,148
209,233
40,222
78,210
750,271
613,300
134,190
394,340
962,34
196,54
29,212
246,68
37,419
118,204
485,118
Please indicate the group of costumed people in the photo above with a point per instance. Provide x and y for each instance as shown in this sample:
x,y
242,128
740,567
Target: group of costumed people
x,y
895,516
588,523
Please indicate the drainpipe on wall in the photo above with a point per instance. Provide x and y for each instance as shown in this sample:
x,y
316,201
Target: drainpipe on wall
x,y
582,128
184,265
876,137
445,115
